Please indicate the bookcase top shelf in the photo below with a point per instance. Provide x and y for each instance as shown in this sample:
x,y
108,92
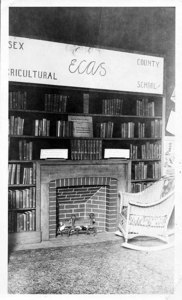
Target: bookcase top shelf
x,y
83,89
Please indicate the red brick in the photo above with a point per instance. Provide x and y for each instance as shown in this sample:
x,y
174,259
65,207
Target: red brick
x,y
52,214
53,221
112,212
78,210
52,205
62,216
100,220
66,211
51,227
61,206
102,215
52,198
98,202
81,205
65,201
52,184
101,223
99,211
71,206
110,224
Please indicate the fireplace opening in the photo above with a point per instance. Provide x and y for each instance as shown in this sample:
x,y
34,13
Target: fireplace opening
x,y
81,197
81,201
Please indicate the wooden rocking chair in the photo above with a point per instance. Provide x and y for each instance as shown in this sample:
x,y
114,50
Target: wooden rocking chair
x,y
146,214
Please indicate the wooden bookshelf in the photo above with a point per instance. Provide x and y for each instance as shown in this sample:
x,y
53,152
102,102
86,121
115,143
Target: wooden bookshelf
x,y
142,129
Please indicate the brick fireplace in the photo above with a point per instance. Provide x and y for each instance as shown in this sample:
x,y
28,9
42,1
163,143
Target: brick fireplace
x,y
81,196
92,187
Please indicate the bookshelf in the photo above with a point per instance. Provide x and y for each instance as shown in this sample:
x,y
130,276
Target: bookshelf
x,y
39,118
82,103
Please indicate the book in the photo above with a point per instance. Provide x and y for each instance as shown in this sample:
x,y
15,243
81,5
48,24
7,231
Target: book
x,y
85,103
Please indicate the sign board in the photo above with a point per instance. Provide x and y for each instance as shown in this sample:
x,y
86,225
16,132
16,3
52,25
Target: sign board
x,y
43,62
82,126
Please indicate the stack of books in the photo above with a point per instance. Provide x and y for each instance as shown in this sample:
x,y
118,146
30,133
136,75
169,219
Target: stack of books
x,y
55,103
64,128
156,128
151,170
16,125
104,130
112,106
22,198
21,221
145,108
25,150
82,149
18,174
18,100
41,127
127,130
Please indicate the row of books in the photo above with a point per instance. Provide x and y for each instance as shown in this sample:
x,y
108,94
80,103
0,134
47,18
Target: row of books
x,y
18,100
64,128
42,127
131,130
22,198
25,150
156,128
16,125
18,174
19,222
86,149
55,103
104,130
139,186
141,130
112,106
128,130
145,108
143,170
146,151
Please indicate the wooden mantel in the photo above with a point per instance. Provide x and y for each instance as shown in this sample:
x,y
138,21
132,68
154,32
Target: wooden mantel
x,y
49,170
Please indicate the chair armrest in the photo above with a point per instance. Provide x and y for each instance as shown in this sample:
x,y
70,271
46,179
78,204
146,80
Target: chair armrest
x,y
139,204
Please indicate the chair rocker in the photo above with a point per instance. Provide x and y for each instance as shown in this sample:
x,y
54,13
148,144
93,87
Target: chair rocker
x,y
146,214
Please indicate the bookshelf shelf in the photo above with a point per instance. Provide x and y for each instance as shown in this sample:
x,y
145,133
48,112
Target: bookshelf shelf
x,y
81,138
21,185
144,180
150,159
14,161
22,209
43,112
